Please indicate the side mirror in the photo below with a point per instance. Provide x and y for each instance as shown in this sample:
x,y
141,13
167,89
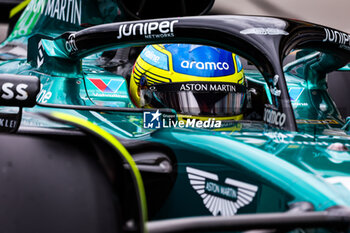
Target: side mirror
x,y
16,91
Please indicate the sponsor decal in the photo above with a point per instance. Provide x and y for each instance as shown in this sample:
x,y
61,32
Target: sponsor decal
x,y
295,92
150,30
199,87
295,105
28,19
157,120
336,37
68,11
70,43
275,79
152,56
64,10
40,58
221,197
274,91
273,117
264,31
11,91
205,65
155,58
8,123
44,95
203,61
36,6
18,90
111,87
207,87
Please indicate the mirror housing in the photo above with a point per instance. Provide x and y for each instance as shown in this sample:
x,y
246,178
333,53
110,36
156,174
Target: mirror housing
x,y
18,90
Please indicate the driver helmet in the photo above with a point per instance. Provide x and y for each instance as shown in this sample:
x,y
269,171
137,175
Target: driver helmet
x,y
196,81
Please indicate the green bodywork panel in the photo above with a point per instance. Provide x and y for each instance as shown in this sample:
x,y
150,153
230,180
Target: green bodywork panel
x,y
52,17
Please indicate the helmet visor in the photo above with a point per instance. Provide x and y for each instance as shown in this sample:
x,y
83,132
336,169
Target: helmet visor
x,y
200,98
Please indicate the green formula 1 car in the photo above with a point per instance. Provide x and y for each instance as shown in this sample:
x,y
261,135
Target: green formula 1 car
x,y
193,117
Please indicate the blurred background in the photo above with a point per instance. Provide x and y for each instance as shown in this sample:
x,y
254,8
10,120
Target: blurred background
x,y
333,14
330,13
326,12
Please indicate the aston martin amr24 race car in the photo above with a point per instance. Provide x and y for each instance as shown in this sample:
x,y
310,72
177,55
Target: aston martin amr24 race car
x,y
222,116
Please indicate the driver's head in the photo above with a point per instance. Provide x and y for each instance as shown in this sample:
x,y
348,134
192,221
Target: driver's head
x,y
195,80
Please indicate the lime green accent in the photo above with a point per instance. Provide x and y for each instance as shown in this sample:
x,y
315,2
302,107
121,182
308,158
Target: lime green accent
x,y
28,20
18,8
111,139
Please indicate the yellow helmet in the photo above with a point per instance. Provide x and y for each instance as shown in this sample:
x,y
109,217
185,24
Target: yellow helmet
x,y
195,80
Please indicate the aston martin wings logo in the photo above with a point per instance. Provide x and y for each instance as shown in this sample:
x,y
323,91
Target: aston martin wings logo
x,y
221,199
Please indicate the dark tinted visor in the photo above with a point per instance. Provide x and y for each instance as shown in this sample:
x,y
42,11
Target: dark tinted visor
x,y
199,98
